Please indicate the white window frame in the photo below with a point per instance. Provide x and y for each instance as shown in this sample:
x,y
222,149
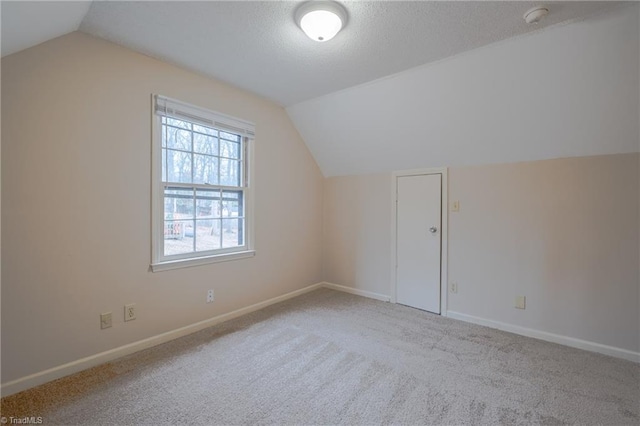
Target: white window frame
x,y
161,105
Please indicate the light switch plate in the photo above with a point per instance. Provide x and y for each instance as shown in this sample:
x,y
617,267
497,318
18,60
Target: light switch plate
x,y
455,206
105,320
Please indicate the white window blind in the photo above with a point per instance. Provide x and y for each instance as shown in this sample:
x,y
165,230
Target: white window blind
x,y
172,108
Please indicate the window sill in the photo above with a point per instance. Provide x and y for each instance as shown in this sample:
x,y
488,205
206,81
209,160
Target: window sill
x,y
197,261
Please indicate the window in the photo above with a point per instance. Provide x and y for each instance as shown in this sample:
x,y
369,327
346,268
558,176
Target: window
x,y
201,194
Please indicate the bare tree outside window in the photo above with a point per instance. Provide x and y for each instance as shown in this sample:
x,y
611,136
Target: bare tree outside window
x,y
198,219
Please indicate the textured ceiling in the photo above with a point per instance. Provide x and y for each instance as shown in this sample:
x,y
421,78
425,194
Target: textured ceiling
x,y
27,23
569,91
257,45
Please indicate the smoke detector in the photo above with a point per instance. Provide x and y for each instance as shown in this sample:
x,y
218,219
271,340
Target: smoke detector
x,y
534,15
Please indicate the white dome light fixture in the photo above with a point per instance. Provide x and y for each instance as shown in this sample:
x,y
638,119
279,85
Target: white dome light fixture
x,y
534,15
321,20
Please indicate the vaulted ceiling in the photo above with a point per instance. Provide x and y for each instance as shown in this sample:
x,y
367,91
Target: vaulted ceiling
x,y
258,46
373,71
28,23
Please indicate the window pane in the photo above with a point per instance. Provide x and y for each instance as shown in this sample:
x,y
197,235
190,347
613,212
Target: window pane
x,y
217,204
207,203
178,166
205,169
178,237
205,144
232,204
176,138
205,130
229,136
207,234
173,230
168,136
178,203
176,123
232,232
229,172
183,140
229,149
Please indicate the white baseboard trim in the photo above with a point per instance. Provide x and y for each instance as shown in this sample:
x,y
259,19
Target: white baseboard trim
x,y
54,373
550,337
356,291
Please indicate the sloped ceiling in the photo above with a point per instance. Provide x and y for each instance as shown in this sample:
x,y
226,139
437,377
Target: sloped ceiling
x,y
28,23
365,101
258,46
567,91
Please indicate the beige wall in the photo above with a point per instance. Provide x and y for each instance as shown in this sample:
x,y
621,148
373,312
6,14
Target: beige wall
x,y
76,204
357,232
563,233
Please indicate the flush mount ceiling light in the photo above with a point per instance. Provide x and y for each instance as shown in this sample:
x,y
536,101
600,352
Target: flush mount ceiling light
x,y
321,20
533,16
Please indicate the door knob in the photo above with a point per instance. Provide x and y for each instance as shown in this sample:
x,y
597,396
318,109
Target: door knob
x,y
433,229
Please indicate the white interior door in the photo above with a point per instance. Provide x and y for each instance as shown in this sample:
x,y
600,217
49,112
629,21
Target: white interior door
x,y
418,241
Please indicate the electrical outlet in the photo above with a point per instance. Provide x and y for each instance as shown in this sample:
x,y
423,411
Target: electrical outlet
x,y
520,302
130,312
105,320
209,296
453,287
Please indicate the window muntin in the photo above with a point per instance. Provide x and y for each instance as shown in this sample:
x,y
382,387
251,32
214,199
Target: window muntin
x,y
203,183
202,220
196,154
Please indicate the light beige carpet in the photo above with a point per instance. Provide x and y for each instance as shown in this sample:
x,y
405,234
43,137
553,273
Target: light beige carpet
x,y
333,358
